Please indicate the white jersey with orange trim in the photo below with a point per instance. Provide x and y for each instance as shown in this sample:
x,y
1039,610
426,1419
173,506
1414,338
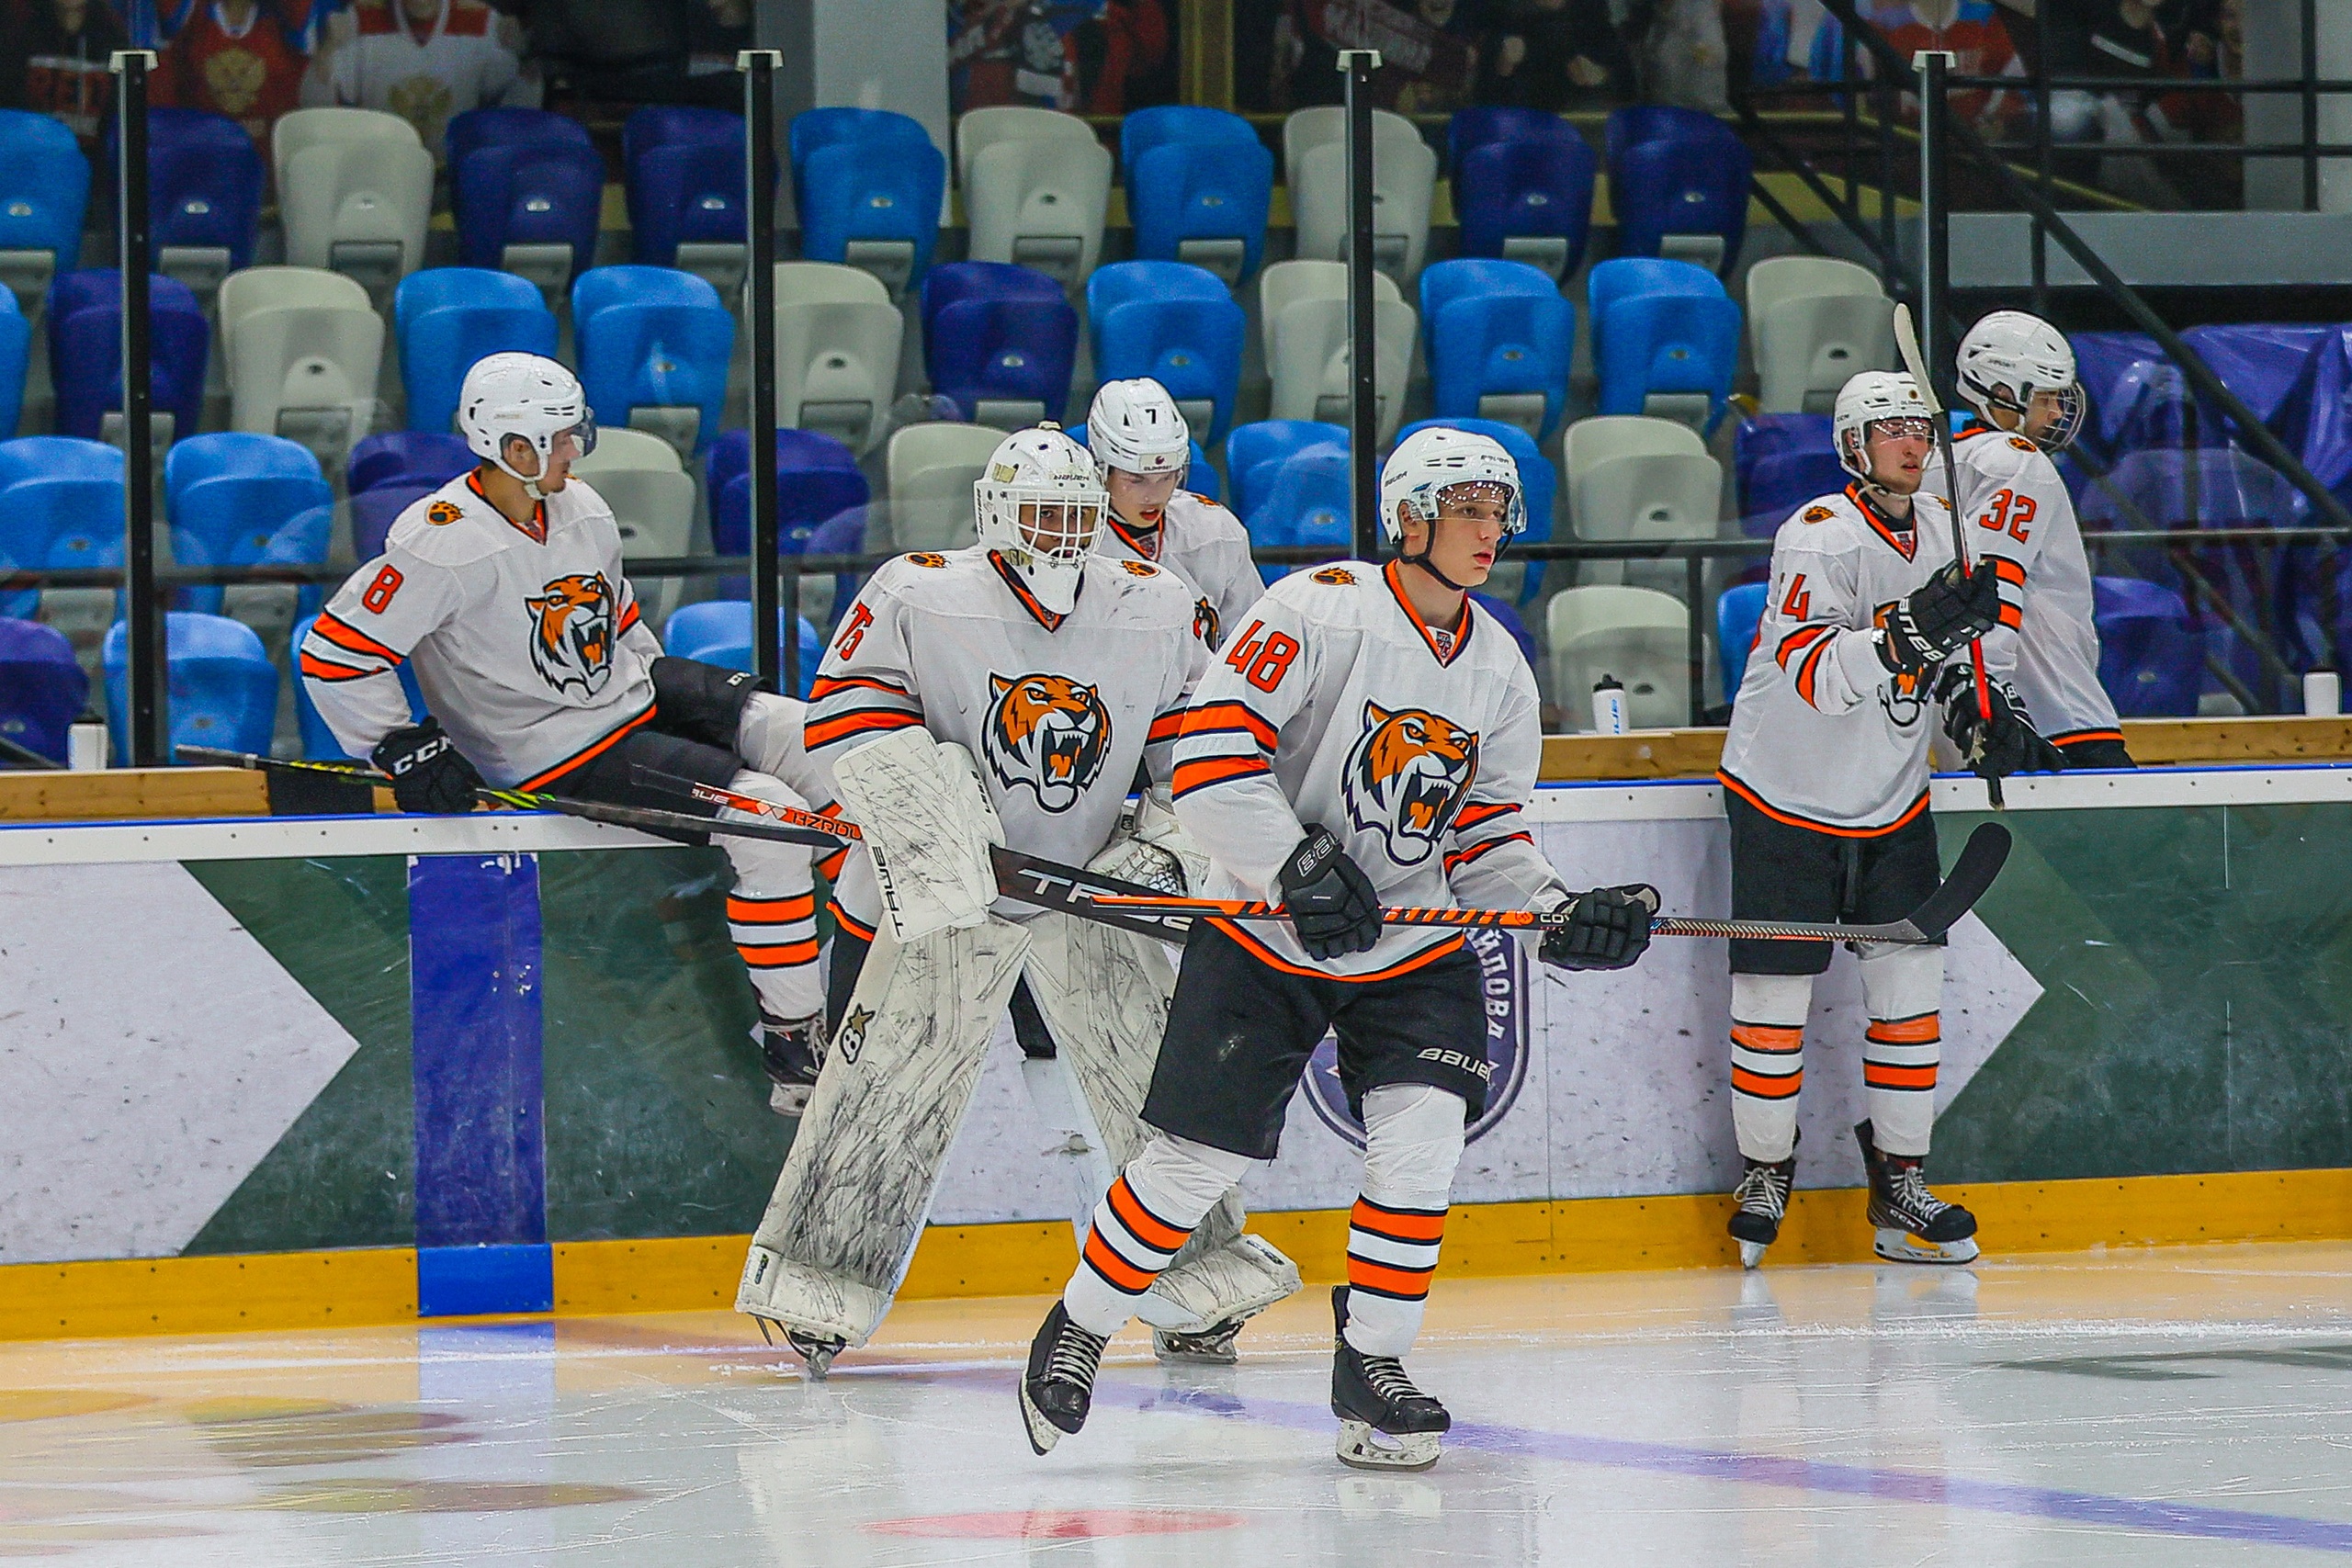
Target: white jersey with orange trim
x,y
1822,734
2023,522
1334,705
1205,545
525,641
1058,711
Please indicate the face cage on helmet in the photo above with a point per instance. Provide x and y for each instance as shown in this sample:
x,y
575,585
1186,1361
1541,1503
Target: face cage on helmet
x,y
1086,508
1428,501
1855,453
2061,434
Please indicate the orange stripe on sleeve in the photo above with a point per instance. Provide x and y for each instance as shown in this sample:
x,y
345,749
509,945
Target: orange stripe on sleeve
x,y
1804,637
827,685
320,669
1471,815
826,731
1201,772
1167,726
1807,670
343,635
1218,718
1455,862
2007,570
771,911
781,955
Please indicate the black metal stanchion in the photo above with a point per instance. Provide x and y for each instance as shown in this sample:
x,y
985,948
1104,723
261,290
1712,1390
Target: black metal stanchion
x,y
775,649
1364,358
148,745
1934,220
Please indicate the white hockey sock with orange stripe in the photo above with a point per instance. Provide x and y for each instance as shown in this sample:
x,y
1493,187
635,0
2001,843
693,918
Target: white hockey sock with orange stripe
x,y
1902,990
772,913
1413,1136
1142,1223
1767,1014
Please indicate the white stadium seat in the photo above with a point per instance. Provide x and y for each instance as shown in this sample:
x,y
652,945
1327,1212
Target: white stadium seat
x,y
1303,310
1404,184
1813,322
1635,478
355,192
931,468
1639,635
653,498
1037,189
303,351
838,338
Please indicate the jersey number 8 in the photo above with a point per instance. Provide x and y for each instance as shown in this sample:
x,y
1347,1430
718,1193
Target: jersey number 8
x,y
1264,661
378,596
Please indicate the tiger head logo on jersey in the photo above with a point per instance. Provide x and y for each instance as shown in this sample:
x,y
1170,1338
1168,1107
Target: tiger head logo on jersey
x,y
571,634
1046,734
1408,776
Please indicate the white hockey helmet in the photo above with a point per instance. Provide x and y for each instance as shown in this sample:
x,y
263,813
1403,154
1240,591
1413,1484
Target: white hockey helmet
x,y
1048,476
1863,402
1134,426
2006,359
526,395
1435,460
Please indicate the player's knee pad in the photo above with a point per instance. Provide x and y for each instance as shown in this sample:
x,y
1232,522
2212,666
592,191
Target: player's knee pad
x,y
1413,1139
1901,979
1181,1180
1782,1001
763,862
768,731
1768,1016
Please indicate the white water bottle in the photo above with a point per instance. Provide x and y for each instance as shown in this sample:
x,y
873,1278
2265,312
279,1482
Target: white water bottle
x,y
86,745
2322,694
1609,707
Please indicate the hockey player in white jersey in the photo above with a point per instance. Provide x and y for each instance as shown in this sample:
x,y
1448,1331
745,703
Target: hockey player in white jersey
x,y
1007,694
504,591
1367,736
2017,372
1825,776
1142,449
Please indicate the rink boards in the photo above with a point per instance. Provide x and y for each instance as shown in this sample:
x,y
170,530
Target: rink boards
x,y
504,1062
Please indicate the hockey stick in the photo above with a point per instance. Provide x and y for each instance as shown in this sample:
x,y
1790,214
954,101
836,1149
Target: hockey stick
x,y
1906,343
1058,888
347,773
832,828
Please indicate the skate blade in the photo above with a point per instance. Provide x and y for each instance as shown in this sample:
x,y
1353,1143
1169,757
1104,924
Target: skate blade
x,y
817,1355
1901,1246
1752,1254
1361,1446
1189,1350
1043,1434
789,1099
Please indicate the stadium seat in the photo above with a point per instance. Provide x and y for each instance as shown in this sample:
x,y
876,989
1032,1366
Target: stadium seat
x,y
204,196
838,339
302,348
1678,184
1254,454
407,457
448,317
2270,367
1740,611
42,688
16,353
1764,436
1303,311
2206,487
718,631
1814,321
868,185
1665,338
526,190
1176,324
85,354
223,686
1198,184
1539,491
1307,505
729,457
1498,340
1404,183
319,744
999,341
1632,478
1508,619
1037,188
654,344
684,171
44,191
373,512
2150,657
237,499
1779,484
817,479
653,498
931,468
62,506
1638,635
355,190
2138,397
1523,186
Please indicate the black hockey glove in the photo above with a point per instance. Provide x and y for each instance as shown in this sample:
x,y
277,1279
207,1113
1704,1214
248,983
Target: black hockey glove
x,y
1942,616
1609,928
1331,902
1998,746
429,774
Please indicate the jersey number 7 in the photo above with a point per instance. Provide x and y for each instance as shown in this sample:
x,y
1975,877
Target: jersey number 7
x,y
1264,660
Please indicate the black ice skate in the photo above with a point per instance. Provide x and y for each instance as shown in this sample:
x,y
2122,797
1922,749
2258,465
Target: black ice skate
x,y
1059,1383
816,1350
1913,1225
1212,1347
1384,1422
793,1052
1763,1199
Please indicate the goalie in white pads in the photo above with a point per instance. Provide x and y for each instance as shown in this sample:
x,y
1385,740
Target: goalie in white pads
x,y
1142,449
1824,778
1052,674
504,591
1367,736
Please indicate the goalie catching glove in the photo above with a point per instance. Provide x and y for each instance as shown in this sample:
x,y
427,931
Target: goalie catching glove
x,y
1332,904
2001,745
1151,849
1608,928
1941,616
430,776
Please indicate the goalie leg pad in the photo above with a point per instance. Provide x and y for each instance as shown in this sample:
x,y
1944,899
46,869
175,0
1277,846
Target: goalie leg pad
x,y
927,826
857,1185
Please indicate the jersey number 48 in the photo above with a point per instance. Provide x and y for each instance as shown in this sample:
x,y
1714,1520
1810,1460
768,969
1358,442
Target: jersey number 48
x,y
1264,660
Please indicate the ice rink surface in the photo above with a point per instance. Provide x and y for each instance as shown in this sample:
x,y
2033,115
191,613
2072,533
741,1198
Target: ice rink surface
x,y
2180,1406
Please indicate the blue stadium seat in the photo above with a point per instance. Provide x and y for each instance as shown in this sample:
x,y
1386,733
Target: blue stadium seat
x,y
407,457
223,686
239,499
729,455
2150,657
1199,178
15,352
1480,126
374,511
652,338
997,333
817,479
870,179
1508,619
2138,397
499,127
85,350
448,317
42,689
1199,478
44,188
1175,323
60,505
2269,366
57,457
1307,505
1778,485
1539,484
1521,176
684,171
519,177
1676,171
1661,327
1497,330
718,631
319,744
204,182
1739,610
1254,453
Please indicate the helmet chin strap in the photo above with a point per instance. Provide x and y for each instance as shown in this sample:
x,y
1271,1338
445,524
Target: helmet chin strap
x,y
1423,561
